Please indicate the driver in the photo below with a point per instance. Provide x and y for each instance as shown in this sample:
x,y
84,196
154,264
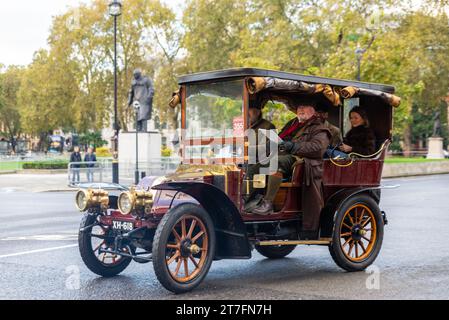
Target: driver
x,y
257,122
307,137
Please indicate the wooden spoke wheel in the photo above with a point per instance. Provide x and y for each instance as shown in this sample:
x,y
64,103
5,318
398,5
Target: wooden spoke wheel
x,y
358,233
91,241
186,255
183,248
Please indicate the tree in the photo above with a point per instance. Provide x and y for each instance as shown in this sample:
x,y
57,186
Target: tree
x,y
9,113
46,96
84,37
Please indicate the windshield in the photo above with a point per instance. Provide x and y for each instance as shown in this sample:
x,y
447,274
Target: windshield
x,y
214,113
214,110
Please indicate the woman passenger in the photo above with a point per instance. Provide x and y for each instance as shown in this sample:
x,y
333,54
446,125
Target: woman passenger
x,y
360,139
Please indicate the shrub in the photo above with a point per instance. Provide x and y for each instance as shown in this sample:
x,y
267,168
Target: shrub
x,y
166,152
46,165
92,139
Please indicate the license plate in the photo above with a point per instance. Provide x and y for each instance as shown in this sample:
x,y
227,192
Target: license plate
x,y
122,226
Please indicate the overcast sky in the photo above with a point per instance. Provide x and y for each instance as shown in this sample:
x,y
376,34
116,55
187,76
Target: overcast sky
x,y
25,25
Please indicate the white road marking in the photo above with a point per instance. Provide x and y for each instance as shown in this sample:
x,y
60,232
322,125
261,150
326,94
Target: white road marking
x,y
11,190
45,237
37,251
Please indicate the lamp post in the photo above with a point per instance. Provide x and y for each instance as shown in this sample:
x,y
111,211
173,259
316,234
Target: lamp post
x,y
359,53
136,106
115,10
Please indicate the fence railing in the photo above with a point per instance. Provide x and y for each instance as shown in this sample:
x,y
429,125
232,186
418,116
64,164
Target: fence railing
x,y
101,171
82,172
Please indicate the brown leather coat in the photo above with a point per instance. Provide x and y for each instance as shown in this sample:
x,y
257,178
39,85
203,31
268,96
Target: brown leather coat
x,y
311,144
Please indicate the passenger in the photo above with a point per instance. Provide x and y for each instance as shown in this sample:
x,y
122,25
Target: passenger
x,y
337,137
360,139
305,137
257,121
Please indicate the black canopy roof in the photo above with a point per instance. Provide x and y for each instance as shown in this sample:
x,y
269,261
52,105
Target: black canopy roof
x,y
252,72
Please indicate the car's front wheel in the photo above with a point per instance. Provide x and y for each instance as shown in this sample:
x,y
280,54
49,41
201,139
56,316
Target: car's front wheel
x,y
92,241
358,233
183,248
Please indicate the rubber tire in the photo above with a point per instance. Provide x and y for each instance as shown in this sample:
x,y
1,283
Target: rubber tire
x,y
88,256
275,252
335,248
163,231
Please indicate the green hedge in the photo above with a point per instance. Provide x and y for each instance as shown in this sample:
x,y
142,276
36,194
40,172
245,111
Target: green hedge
x,y
46,165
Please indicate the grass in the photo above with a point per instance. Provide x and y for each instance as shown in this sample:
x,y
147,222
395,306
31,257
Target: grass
x,y
10,165
19,165
411,160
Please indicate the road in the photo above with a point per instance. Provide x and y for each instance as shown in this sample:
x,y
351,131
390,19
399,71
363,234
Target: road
x,y
39,256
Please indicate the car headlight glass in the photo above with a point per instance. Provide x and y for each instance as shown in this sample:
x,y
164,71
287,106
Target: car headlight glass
x,y
81,200
126,203
86,199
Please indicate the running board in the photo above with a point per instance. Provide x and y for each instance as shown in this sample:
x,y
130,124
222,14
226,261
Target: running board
x,y
322,241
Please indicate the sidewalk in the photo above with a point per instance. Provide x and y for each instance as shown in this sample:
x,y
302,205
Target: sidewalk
x,y
33,183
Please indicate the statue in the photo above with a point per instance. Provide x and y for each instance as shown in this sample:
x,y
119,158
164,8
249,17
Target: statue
x,y
437,125
142,91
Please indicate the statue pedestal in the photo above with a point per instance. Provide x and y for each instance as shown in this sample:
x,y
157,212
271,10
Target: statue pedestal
x,y
151,126
435,148
150,144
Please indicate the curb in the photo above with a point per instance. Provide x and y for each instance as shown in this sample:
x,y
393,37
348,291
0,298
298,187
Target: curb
x,y
55,191
42,171
400,170
415,175
8,172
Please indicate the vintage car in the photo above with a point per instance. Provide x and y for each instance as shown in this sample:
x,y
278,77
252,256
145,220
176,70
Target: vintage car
x,y
184,221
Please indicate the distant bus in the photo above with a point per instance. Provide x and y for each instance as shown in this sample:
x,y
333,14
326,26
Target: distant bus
x,y
56,144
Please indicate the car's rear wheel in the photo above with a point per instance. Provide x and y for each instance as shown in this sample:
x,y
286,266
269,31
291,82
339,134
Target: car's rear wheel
x,y
183,248
358,234
92,240
275,252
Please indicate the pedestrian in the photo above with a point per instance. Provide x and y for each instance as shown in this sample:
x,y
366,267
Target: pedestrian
x,y
75,158
90,158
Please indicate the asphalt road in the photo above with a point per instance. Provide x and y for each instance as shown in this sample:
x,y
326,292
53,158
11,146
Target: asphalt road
x,y
39,256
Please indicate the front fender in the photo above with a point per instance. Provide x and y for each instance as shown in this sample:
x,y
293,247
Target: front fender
x,y
232,239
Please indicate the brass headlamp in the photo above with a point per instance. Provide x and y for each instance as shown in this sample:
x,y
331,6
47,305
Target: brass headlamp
x,y
86,199
135,199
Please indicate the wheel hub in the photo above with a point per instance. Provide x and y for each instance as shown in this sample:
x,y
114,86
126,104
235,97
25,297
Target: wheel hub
x,y
358,232
186,245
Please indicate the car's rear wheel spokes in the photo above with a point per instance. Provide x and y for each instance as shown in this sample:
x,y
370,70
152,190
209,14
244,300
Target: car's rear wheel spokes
x,y
358,233
187,248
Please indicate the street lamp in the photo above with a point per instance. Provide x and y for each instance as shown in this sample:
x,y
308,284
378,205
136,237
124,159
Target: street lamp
x,y
359,53
115,10
136,106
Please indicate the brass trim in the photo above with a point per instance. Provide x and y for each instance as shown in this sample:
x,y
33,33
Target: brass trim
x,y
260,181
93,197
188,171
246,183
138,198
